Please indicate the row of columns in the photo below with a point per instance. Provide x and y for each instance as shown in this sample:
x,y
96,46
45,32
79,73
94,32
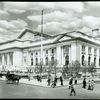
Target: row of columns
x,y
58,55
92,55
6,60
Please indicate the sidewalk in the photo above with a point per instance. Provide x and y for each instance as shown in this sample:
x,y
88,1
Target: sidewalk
x,y
44,82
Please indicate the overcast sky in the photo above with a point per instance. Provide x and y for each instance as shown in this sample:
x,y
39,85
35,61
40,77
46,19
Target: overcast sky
x,y
59,17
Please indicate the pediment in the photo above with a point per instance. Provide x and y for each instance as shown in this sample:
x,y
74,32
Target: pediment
x,y
77,34
64,38
27,35
31,35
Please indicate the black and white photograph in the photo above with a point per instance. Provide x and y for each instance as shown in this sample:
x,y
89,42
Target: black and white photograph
x,y
50,50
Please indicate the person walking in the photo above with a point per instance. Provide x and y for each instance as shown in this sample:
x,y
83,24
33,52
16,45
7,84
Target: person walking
x,y
92,85
89,85
84,83
29,76
70,82
72,90
75,81
49,81
61,80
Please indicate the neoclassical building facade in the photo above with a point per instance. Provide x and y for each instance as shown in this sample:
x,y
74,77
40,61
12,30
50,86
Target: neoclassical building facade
x,y
25,50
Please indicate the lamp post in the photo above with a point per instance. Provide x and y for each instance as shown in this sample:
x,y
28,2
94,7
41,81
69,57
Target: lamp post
x,y
41,61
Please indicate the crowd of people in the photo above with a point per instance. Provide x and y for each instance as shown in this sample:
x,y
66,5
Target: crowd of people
x,y
53,81
90,84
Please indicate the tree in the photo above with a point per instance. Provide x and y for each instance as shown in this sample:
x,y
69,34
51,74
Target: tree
x,y
52,67
84,67
77,67
92,68
74,67
64,71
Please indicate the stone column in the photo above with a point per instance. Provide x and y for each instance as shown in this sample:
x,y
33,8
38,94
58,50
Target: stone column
x,y
39,56
92,55
86,55
69,54
73,52
44,57
58,55
3,59
49,56
62,56
78,52
8,60
97,59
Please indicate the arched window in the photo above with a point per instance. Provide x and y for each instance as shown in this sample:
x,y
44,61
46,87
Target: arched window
x,y
31,61
95,61
82,59
52,60
99,61
66,60
36,60
89,58
31,58
46,60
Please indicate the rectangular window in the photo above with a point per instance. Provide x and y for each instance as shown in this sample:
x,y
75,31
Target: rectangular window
x,y
95,52
46,51
83,48
52,50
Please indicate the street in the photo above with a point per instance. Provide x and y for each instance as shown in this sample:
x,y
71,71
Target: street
x,y
38,92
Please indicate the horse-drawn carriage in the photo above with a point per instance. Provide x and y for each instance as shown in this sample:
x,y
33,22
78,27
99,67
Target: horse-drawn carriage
x,y
12,78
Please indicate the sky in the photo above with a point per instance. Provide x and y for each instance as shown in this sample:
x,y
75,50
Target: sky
x,y
58,17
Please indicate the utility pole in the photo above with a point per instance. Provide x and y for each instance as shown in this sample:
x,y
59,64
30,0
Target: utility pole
x,y
41,61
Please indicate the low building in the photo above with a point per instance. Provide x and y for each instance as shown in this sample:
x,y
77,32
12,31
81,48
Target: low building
x,y
25,50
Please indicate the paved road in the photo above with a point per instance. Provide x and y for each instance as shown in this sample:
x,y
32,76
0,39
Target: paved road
x,y
31,91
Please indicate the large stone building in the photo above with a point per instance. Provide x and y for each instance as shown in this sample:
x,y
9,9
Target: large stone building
x,y
25,50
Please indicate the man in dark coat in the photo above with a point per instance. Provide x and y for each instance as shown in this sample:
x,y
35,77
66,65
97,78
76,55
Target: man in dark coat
x,y
84,83
61,80
70,82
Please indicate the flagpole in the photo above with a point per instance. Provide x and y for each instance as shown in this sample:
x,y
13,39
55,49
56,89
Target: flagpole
x,y
41,38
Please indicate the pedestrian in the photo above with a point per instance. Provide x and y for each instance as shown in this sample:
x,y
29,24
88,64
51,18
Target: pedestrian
x,y
38,78
8,73
29,76
84,83
61,80
92,85
70,82
55,81
75,81
49,81
89,85
72,90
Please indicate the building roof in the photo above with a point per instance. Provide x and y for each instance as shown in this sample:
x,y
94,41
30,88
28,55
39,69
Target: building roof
x,y
73,35
34,32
